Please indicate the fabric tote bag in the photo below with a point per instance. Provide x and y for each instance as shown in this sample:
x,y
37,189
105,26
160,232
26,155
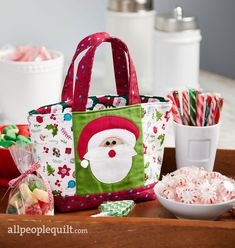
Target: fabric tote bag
x,y
99,148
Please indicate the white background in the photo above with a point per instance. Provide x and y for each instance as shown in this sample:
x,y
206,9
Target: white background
x,y
60,24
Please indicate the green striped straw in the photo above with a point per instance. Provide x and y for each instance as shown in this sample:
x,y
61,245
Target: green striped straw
x,y
192,101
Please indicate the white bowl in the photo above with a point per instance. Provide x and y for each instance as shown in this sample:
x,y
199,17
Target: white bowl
x,y
28,85
193,211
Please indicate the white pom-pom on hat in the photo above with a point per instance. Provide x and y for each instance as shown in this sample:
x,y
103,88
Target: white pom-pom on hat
x,y
84,163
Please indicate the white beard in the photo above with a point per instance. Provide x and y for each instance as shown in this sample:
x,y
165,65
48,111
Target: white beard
x,y
110,170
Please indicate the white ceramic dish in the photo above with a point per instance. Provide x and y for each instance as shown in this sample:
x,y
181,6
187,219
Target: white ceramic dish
x,y
193,211
28,85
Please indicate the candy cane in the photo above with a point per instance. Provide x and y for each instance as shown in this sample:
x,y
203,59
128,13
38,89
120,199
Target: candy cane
x,y
174,109
192,100
185,100
177,100
219,106
208,106
212,112
200,109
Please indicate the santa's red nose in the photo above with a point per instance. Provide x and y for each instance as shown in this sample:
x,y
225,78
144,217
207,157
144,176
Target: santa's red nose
x,y
112,153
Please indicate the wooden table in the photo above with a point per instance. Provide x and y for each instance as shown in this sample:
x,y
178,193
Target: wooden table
x,y
148,225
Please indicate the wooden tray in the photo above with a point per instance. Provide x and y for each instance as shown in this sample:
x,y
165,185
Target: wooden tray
x,y
149,224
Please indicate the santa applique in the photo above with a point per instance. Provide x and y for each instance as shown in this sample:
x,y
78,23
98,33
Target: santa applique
x,y
106,144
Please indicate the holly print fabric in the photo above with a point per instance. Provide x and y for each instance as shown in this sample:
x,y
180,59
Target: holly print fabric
x,y
52,139
154,123
52,135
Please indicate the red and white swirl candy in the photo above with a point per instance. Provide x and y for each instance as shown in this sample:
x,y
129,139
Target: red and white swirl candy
x,y
30,53
193,185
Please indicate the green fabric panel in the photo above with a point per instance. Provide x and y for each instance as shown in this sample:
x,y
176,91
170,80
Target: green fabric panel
x,y
86,181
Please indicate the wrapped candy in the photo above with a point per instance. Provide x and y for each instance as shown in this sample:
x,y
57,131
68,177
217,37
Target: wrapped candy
x,y
193,185
115,208
11,134
31,194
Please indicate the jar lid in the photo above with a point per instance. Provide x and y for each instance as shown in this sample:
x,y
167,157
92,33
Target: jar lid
x,y
175,22
130,5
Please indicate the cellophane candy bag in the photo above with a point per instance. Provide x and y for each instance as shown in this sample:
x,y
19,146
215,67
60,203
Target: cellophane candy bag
x,y
30,194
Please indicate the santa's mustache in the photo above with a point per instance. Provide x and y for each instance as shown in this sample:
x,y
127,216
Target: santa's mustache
x,y
122,151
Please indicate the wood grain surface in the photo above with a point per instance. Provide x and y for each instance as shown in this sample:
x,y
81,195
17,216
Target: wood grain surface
x,y
148,225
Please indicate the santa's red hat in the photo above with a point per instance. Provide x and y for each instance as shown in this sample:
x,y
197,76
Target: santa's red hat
x,y
107,126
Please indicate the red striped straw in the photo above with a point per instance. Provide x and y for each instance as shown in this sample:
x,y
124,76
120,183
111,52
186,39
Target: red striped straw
x,y
185,102
174,109
200,110
212,112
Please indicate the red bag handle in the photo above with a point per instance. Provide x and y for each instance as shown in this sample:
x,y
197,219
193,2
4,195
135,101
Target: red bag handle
x,y
119,57
84,72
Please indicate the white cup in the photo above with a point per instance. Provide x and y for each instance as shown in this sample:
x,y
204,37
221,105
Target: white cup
x,y
196,146
28,85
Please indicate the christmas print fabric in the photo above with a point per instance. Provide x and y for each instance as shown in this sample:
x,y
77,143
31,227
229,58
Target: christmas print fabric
x,y
52,135
154,123
52,139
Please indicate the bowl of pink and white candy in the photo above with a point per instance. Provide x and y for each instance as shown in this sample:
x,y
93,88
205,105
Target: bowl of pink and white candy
x,y
193,193
30,76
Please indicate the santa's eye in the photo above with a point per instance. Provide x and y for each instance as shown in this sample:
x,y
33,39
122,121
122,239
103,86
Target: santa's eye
x,y
114,142
107,143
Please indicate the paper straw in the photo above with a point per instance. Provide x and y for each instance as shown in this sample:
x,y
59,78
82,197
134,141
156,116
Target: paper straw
x,y
200,112
174,109
185,103
192,101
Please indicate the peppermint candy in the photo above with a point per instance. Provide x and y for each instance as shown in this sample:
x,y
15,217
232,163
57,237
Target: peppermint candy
x,y
227,188
208,197
193,185
168,193
188,195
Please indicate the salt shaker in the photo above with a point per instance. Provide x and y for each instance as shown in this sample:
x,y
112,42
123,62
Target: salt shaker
x,y
133,22
176,52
